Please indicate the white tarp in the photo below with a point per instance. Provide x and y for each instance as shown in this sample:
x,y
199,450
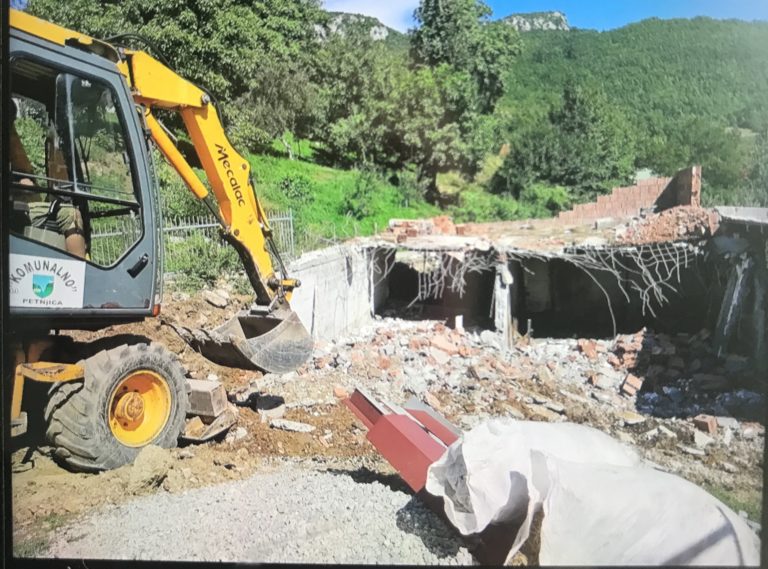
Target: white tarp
x,y
602,504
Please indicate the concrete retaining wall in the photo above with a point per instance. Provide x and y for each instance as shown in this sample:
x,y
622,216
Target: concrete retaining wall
x,y
335,293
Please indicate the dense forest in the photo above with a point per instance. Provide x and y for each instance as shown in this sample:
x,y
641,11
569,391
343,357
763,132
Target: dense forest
x,y
692,91
464,113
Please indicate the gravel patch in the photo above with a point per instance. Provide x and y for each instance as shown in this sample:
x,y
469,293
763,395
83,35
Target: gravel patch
x,y
292,515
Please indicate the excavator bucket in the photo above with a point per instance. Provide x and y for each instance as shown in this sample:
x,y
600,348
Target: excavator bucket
x,y
274,343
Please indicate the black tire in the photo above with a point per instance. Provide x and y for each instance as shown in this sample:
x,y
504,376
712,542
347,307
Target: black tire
x,y
77,412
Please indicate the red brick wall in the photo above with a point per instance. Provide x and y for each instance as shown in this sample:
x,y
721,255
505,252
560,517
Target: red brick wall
x,y
683,189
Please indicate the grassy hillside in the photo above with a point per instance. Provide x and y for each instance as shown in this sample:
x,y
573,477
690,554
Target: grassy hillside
x,y
328,202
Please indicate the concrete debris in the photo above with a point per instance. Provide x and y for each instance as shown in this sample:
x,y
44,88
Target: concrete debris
x,y
666,432
292,426
475,375
750,431
556,407
692,451
682,222
215,299
207,398
701,440
631,418
244,394
236,434
270,408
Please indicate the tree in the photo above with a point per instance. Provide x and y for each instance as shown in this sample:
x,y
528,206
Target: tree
x,y
219,44
458,33
758,175
281,101
355,75
593,144
585,144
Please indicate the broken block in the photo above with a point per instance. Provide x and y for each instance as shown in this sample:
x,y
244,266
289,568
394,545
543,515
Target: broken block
x,y
207,398
588,348
632,385
706,423
444,344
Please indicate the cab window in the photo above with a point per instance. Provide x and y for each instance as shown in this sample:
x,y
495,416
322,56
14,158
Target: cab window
x,y
72,187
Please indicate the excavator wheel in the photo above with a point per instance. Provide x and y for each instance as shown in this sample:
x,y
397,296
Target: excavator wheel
x,y
131,396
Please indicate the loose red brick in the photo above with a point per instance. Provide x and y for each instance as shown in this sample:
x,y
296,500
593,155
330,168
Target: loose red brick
x,y
706,423
588,348
340,393
444,344
632,384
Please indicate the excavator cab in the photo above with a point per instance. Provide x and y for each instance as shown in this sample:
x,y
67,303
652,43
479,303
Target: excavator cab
x,y
87,175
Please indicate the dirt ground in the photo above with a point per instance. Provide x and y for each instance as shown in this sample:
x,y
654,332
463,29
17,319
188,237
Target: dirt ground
x,y
45,496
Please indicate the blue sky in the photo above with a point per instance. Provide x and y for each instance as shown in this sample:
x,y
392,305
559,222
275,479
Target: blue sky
x,y
594,14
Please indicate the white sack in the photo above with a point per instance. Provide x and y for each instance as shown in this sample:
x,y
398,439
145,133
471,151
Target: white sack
x,y
602,505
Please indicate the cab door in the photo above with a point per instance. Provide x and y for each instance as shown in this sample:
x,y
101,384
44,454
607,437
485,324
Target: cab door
x,y
84,242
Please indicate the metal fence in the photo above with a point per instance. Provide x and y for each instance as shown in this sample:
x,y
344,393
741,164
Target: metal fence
x,y
189,243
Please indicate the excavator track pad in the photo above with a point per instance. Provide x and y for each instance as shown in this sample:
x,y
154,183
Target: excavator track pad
x,y
274,343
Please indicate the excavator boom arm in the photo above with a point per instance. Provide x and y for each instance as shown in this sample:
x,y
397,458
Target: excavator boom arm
x,y
273,340
243,219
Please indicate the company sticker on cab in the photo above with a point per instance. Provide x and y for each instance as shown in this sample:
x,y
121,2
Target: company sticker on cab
x,y
40,282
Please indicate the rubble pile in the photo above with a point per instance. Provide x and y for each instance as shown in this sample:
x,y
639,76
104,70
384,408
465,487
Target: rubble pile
x,y
623,382
404,228
677,223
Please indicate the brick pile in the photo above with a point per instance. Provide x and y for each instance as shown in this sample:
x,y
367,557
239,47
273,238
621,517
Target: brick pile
x,y
660,358
682,222
402,229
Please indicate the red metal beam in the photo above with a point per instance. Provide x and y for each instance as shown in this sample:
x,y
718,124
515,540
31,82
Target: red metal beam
x,y
410,441
407,447
434,426
363,409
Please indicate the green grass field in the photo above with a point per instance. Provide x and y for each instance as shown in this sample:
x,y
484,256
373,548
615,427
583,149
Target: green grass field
x,y
320,196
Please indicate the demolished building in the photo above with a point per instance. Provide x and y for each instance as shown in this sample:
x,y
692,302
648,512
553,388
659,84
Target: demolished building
x,y
647,255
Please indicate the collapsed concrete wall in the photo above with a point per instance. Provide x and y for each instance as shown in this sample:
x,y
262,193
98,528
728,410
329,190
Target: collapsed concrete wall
x,y
740,249
335,296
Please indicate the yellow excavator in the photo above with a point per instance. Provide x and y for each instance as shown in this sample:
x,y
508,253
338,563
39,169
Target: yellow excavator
x,y
86,244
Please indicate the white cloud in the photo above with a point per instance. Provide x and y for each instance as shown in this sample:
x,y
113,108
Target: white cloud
x,y
397,14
